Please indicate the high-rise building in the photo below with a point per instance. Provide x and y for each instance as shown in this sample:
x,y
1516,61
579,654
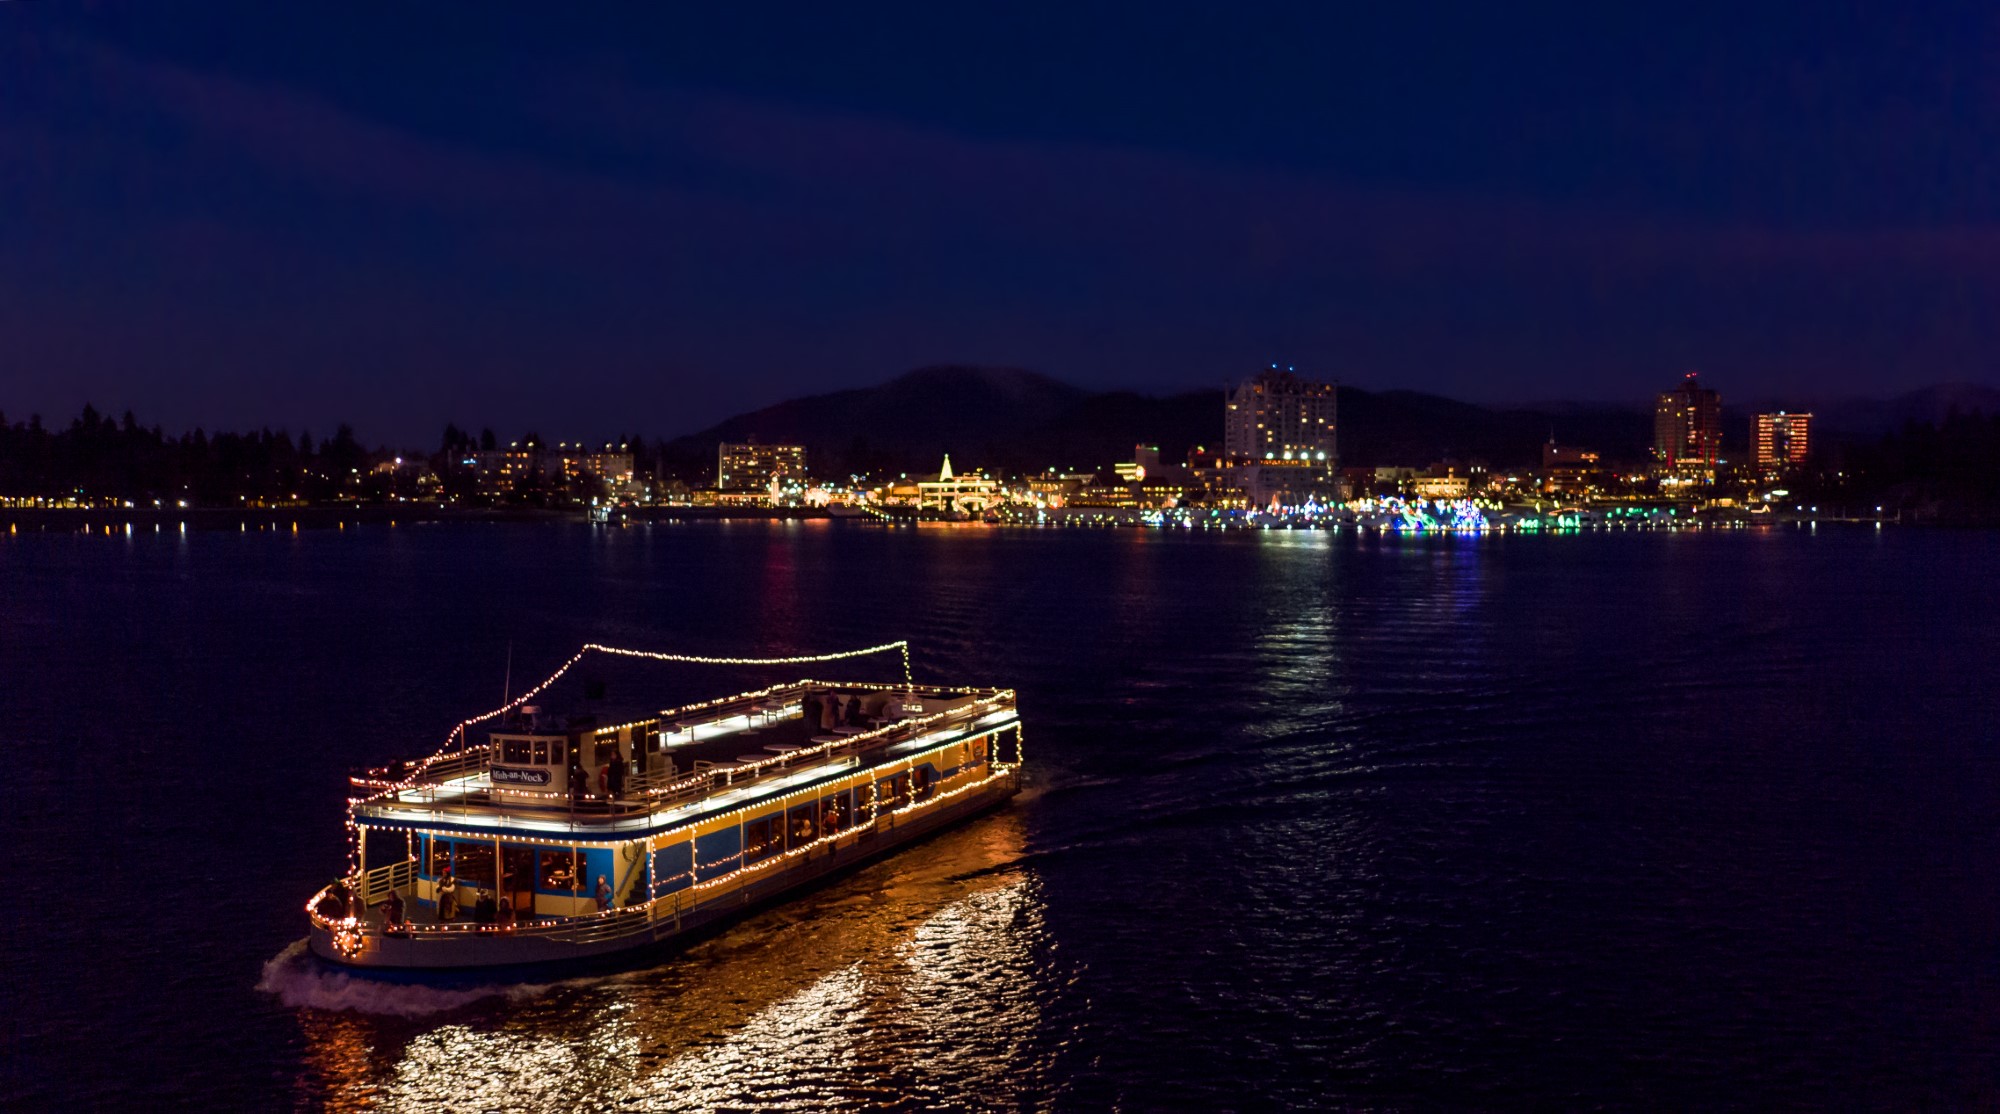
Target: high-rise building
x,y
1782,440
748,464
1687,429
1278,416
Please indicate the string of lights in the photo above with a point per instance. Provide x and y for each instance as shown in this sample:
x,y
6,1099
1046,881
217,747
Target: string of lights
x,y
458,735
348,931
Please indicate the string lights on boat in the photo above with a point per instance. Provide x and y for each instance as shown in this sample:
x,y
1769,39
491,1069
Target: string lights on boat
x,y
347,933
852,794
458,733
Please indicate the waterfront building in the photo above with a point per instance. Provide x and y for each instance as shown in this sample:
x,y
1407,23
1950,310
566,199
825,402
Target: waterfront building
x,y
1781,441
612,464
1569,470
1449,483
1273,483
501,471
1278,416
1687,431
741,465
1145,462
949,491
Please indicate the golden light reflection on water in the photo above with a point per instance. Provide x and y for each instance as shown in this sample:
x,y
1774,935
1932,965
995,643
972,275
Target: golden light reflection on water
x,y
921,980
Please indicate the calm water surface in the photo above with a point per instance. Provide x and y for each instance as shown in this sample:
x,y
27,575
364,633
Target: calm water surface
x,y
1653,820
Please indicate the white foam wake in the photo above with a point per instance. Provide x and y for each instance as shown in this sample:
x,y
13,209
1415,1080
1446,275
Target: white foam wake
x,y
300,981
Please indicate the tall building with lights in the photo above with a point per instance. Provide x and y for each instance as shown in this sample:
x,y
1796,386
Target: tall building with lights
x,y
1687,429
1781,441
748,464
1278,416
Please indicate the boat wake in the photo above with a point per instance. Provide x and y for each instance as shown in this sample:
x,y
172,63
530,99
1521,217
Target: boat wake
x,y
300,981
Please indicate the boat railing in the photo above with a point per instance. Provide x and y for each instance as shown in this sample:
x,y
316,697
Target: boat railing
x,y
437,771
657,791
612,924
376,884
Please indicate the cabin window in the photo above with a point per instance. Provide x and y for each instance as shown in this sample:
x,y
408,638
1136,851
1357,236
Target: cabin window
x,y
763,837
978,749
555,752
895,791
520,868
607,749
926,781
541,756
475,864
803,826
835,813
559,871
440,856
514,750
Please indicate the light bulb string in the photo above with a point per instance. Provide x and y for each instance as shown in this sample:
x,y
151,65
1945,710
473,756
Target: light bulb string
x,y
458,733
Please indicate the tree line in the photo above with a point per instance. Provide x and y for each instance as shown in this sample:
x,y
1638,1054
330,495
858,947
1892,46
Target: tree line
x,y
98,458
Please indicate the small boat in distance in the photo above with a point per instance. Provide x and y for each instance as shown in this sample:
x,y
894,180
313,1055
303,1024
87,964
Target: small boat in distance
x,y
557,838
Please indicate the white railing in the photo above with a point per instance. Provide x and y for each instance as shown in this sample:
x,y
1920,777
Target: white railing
x,y
376,884
631,920
656,792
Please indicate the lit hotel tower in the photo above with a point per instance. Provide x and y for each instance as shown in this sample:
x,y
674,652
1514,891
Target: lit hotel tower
x,y
1782,441
1687,429
1278,416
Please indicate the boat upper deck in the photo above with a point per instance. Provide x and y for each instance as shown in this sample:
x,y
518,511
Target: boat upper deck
x,y
582,780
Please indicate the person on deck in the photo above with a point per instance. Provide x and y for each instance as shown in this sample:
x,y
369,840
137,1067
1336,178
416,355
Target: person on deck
x,y
333,904
392,910
483,912
447,895
615,777
603,894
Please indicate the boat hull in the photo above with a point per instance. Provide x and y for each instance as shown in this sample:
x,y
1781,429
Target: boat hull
x,y
577,943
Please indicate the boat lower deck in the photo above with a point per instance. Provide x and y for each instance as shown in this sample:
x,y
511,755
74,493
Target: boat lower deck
x,y
424,942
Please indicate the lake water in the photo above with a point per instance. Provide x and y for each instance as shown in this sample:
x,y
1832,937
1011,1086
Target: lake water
x,y
1651,819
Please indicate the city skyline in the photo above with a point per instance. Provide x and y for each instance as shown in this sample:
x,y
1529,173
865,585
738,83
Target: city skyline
x,y
694,216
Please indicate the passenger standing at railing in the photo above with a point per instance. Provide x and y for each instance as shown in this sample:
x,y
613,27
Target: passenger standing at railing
x,y
615,777
447,895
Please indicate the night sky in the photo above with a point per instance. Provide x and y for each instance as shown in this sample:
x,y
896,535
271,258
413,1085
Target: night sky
x,y
643,220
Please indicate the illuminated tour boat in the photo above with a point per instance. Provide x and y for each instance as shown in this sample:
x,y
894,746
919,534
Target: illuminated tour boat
x,y
551,838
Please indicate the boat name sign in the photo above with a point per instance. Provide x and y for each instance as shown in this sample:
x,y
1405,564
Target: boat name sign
x,y
518,777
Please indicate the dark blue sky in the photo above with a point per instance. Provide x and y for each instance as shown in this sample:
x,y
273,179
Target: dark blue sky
x,y
289,214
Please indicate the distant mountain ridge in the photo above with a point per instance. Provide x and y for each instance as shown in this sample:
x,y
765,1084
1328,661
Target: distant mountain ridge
x,y
1015,420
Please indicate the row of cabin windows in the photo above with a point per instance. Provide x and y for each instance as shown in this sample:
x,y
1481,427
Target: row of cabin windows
x,y
797,826
560,870
532,752
549,752
780,831
471,864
